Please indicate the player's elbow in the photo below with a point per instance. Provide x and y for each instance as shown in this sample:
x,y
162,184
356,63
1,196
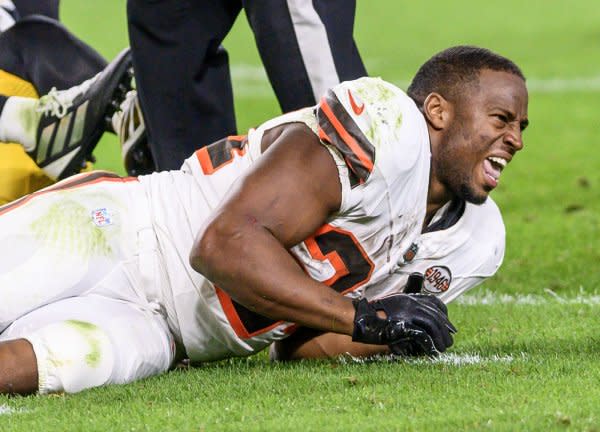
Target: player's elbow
x,y
208,255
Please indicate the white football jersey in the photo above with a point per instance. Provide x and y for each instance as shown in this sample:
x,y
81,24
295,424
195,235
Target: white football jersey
x,y
455,258
380,143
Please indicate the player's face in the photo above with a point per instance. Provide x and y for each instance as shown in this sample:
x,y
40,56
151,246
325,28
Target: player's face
x,y
484,136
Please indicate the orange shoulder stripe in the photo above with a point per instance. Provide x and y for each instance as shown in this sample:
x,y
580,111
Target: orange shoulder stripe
x,y
348,139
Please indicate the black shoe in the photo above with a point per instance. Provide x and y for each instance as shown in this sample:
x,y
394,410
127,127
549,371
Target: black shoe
x,y
74,120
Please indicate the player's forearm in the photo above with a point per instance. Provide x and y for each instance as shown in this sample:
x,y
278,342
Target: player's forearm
x,y
309,344
258,272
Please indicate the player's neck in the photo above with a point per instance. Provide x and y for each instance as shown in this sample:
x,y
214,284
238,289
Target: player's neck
x,y
437,196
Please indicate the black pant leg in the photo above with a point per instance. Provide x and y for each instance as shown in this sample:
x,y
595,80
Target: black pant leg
x,y
42,51
338,18
182,73
48,8
306,46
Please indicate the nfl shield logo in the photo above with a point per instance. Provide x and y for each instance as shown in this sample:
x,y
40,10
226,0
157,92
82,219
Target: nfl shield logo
x,y
101,217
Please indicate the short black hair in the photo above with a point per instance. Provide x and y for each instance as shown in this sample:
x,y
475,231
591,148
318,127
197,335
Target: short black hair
x,y
449,71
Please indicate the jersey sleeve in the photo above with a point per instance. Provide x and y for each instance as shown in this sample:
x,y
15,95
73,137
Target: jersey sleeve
x,y
371,124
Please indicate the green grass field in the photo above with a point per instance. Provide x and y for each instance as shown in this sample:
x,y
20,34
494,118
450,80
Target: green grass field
x,y
527,355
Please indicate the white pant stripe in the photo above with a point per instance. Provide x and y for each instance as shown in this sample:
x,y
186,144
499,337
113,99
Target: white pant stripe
x,y
314,46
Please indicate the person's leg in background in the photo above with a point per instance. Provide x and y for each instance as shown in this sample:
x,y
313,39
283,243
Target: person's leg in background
x,y
44,53
182,74
48,8
182,71
306,46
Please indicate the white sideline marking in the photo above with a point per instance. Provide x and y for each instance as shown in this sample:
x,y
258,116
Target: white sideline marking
x,y
550,85
490,298
6,410
452,359
562,85
246,72
251,81
463,359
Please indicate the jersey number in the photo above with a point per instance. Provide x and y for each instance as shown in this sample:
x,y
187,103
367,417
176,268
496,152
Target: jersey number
x,y
220,153
340,248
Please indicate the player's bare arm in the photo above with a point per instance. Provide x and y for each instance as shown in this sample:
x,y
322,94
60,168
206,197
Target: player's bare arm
x,y
287,195
243,249
307,343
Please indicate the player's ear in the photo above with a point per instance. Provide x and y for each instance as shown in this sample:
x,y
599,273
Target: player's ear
x,y
437,110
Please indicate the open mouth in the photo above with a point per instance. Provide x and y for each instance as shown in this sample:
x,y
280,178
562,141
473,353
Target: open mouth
x,y
492,167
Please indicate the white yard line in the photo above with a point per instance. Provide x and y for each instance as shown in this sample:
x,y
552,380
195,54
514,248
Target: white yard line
x,y
549,85
251,81
490,298
6,410
564,85
453,359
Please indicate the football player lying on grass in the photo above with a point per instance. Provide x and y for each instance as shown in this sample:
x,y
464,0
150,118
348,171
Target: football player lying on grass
x,y
315,219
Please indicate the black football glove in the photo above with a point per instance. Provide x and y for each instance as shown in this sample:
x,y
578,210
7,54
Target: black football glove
x,y
415,324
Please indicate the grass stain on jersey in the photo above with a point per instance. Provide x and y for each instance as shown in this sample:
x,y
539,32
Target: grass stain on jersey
x,y
375,91
386,116
68,224
384,94
88,331
371,134
399,122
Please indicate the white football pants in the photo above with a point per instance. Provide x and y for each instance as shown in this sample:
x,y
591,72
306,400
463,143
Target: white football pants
x,y
77,268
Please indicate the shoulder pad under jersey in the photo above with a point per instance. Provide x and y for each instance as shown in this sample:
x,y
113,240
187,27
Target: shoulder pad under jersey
x,y
362,118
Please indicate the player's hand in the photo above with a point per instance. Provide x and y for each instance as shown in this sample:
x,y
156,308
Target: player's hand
x,y
414,324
